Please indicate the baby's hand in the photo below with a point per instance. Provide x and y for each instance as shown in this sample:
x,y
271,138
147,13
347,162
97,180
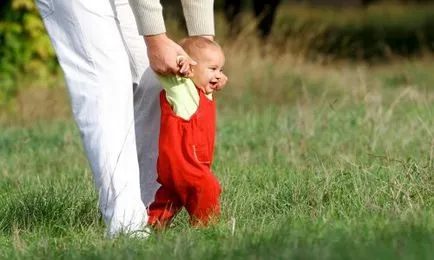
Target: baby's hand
x,y
222,82
184,67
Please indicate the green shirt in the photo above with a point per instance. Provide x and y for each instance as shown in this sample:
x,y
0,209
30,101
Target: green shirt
x,y
182,95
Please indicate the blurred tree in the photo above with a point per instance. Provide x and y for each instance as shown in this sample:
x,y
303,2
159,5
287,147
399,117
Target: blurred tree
x,y
366,3
232,10
24,46
3,4
264,11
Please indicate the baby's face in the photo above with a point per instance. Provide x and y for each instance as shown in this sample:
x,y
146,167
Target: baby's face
x,y
209,69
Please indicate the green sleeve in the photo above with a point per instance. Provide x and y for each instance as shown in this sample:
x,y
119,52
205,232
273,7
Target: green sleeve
x,y
182,95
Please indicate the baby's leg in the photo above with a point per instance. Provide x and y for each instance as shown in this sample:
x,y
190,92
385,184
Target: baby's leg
x,y
165,206
203,205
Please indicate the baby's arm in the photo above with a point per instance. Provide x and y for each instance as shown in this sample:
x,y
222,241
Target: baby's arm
x,y
181,94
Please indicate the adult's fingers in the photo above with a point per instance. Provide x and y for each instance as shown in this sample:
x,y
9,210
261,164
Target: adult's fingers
x,y
164,67
162,53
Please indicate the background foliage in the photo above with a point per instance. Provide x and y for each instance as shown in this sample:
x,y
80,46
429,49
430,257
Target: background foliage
x,y
375,33
378,32
24,47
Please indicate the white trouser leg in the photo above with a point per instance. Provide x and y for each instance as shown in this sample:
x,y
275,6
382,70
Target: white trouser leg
x,y
146,101
147,118
93,57
135,45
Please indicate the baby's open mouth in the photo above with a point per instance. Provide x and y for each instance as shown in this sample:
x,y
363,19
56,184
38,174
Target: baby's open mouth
x,y
213,84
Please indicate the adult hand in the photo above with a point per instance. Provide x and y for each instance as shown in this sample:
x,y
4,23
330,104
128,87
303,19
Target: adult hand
x,y
163,53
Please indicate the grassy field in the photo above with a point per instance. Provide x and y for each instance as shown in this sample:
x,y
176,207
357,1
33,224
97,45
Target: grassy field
x,y
316,162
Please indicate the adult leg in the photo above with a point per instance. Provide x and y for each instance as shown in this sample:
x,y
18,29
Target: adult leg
x,y
92,55
146,100
134,43
147,118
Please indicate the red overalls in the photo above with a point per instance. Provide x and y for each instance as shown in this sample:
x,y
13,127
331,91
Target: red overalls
x,y
186,150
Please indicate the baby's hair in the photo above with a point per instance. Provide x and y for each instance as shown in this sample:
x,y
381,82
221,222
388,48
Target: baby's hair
x,y
193,44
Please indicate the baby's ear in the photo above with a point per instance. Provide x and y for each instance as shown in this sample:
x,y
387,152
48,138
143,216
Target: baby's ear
x,y
191,74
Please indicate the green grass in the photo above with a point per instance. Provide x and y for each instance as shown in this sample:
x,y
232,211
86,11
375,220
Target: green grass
x,y
315,163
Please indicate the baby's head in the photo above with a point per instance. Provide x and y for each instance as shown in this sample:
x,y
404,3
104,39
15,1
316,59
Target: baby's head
x,y
210,61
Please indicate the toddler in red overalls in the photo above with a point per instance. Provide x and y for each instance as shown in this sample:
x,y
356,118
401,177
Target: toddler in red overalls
x,y
187,134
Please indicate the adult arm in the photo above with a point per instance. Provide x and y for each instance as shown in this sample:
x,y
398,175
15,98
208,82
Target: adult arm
x,y
199,16
162,51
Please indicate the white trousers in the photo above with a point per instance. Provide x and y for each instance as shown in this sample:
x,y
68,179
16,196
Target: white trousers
x,y
103,59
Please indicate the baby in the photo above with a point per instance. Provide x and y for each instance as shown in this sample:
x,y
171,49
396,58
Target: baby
x,y
187,135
